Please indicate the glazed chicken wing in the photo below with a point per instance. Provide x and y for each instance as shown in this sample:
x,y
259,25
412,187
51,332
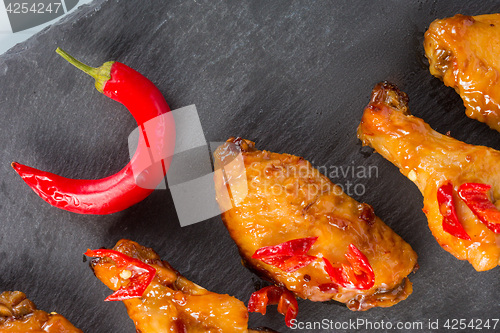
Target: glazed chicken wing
x,y
460,182
18,314
171,303
297,229
464,52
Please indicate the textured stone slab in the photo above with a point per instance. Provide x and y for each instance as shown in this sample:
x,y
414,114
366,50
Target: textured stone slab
x,y
293,76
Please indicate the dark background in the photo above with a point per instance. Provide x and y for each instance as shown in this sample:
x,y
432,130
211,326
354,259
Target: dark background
x,y
294,76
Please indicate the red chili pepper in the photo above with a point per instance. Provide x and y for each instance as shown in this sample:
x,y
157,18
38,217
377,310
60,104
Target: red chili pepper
x,y
127,187
287,304
288,256
142,274
475,196
451,224
358,275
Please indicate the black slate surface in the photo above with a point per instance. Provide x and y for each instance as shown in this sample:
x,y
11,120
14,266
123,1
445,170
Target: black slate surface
x,y
293,76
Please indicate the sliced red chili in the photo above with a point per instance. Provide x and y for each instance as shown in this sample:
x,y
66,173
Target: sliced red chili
x,y
475,196
289,264
290,248
451,224
335,273
288,256
361,267
141,274
287,304
357,275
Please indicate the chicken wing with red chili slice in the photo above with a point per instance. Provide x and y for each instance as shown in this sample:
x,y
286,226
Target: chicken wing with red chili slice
x,y
460,182
297,229
20,315
464,52
167,301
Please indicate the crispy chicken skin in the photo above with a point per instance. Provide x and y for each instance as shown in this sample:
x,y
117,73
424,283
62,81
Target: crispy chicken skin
x,y
429,159
275,198
464,52
19,314
172,303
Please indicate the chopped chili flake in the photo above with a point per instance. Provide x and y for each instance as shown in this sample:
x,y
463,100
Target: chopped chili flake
x,y
357,275
141,274
475,196
287,304
288,256
451,224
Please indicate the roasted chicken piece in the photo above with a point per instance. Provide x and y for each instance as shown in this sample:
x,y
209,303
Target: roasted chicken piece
x,y
19,314
170,303
454,177
464,52
297,229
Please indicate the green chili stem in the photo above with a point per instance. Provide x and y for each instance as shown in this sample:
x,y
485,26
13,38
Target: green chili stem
x,y
92,71
100,74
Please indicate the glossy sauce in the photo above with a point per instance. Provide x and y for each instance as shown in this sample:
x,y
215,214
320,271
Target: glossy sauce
x,y
429,159
286,198
18,314
171,303
464,51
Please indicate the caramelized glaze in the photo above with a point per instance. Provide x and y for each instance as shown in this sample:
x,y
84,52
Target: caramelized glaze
x,y
429,159
172,303
464,52
274,198
18,314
